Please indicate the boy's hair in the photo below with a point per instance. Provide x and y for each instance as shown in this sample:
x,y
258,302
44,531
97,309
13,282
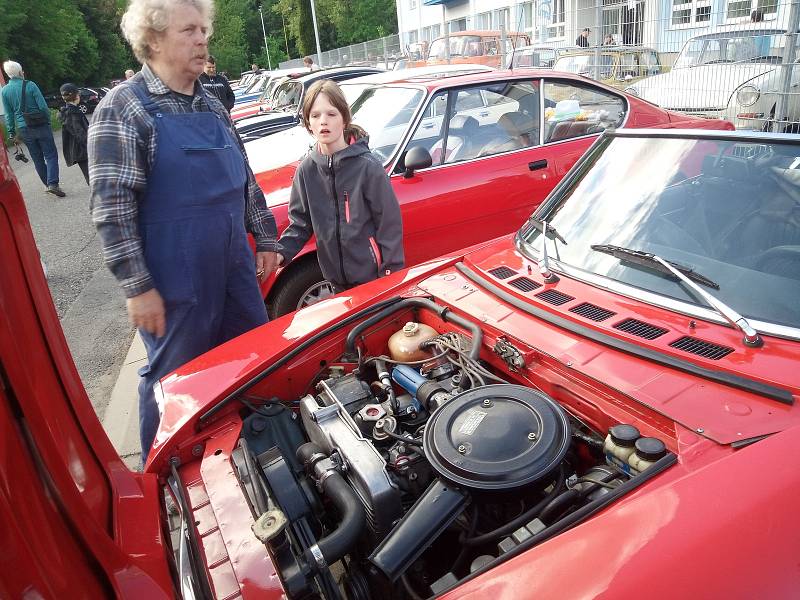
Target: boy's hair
x,y
211,60
336,97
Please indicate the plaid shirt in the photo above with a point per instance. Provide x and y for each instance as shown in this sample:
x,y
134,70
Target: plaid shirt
x,y
122,144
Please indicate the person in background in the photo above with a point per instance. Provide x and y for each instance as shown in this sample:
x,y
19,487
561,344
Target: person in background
x,y
359,231
583,38
74,127
129,73
28,119
173,199
609,40
217,84
255,68
763,43
308,62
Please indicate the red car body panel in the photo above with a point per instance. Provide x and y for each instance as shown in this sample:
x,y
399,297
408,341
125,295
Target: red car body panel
x,y
445,208
68,504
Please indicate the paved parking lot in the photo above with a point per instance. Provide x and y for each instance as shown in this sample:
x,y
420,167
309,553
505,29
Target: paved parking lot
x,y
89,304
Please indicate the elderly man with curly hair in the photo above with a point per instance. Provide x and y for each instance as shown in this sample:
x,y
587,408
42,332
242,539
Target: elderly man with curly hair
x,y
173,199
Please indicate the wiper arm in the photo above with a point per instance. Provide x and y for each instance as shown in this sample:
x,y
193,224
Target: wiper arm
x,y
686,275
547,231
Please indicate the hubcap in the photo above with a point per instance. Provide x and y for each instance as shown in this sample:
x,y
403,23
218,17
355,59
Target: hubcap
x,y
316,293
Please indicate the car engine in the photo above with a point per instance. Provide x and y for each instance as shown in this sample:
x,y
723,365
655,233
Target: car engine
x,y
404,472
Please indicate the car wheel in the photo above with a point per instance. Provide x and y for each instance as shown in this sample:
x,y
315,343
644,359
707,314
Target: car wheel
x,y
302,287
83,108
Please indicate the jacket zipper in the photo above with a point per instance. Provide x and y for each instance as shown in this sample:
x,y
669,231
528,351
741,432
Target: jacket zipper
x,y
338,230
346,208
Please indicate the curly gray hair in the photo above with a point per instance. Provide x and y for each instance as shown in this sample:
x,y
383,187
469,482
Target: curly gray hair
x,y
145,17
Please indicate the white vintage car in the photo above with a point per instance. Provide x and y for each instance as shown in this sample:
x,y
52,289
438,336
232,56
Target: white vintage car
x,y
733,74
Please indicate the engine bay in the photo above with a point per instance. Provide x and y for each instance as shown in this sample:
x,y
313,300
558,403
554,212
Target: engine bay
x,y
411,464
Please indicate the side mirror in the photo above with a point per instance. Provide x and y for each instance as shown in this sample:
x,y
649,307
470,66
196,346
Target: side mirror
x,y
416,158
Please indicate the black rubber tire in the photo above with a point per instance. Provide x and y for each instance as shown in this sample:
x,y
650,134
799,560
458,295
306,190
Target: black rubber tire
x,y
293,285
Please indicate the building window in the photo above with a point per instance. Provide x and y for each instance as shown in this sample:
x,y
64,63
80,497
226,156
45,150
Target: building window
x,y
690,13
483,21
527,17
457,25
739,10
501,19
557,25
412,36
412,4
431,33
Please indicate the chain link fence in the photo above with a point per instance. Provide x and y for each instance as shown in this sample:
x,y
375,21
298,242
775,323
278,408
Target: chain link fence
x,y
383,53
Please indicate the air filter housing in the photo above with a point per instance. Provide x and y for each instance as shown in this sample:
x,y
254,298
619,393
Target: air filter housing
x,y
497,437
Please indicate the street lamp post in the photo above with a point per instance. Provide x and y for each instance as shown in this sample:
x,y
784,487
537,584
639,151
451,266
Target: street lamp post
x,y
316,33
264,31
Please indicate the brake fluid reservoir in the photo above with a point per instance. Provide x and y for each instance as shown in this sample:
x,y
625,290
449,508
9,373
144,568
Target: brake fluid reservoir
x,y
404,344
646,452
619,444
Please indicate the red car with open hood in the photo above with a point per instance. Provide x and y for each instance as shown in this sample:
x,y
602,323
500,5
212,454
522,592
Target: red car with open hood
x,y
602,403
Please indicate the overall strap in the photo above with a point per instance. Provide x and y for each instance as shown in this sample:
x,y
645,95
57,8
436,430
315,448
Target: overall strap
x,y
141,91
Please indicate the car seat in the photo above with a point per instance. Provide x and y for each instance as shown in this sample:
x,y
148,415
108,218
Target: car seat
x,y
460,140
517,132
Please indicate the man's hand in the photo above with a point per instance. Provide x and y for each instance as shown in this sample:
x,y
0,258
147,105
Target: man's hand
x,y
266,263
146,311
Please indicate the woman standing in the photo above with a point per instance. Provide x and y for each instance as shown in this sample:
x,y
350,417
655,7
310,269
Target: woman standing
x,y
74,127
173,199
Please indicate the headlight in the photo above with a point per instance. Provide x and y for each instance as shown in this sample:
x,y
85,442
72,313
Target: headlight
x,y
632,91
747,95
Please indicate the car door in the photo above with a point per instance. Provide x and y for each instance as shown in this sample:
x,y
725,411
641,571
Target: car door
x,y
490,169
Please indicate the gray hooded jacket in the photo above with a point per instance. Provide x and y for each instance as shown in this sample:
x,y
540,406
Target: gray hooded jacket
x,y
347,201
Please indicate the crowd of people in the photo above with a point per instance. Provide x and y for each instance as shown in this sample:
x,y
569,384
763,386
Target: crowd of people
x,y
174,199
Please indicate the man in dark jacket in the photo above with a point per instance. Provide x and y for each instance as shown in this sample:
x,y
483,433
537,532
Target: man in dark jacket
x,y
583,38
216,85
74,127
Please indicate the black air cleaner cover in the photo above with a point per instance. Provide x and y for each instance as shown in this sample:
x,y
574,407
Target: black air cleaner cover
x,y
497,437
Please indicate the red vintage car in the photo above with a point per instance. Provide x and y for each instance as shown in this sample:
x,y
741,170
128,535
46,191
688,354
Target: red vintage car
x,y
469,156
600,404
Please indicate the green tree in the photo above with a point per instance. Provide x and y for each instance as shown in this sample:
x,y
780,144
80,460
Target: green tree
x,y
229,41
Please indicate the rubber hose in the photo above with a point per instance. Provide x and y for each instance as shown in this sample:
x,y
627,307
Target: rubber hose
x,y
339,542
441,311
559,504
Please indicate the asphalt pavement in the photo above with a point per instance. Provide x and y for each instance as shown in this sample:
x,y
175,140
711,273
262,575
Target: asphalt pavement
x,y
89,302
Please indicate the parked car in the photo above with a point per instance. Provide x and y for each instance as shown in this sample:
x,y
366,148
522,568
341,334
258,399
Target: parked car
x,y
734,74
537,57
262,82
587,414
618,67
474,47
90,98
449,142
287,100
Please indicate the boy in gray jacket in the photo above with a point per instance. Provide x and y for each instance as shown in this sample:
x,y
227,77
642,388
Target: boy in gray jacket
x,y
342,194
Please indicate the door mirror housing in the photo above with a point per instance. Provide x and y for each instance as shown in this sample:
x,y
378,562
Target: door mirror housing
x,y
416,158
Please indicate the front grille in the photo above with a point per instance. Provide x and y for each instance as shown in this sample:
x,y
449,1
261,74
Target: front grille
x,y
701,347
554,297
524,284
502,272
590,311
640,329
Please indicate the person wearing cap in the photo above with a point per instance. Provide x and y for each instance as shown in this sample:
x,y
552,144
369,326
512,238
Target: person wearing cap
x,y
74,127
583,38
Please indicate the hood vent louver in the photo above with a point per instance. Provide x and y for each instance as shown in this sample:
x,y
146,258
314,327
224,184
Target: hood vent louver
x,y
640,329
554,297
590,311
524,284
701,347
502,272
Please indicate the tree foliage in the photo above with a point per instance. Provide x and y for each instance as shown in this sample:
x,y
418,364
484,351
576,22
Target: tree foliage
x,y
80,40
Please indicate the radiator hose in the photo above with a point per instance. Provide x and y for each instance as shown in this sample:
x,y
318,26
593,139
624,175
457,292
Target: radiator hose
x,y
335,545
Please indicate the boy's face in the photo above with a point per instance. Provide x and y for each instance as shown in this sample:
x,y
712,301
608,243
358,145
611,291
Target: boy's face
x,y
325,121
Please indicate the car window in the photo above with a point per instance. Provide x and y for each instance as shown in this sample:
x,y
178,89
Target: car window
x,y
385,112
484,120
628,65
574,110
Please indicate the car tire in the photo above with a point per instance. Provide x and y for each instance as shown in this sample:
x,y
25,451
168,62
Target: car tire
x,y
83,108
302,286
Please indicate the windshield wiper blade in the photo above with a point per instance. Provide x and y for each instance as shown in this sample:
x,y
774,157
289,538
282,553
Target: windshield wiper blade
x,y
649,260
685,275
547,231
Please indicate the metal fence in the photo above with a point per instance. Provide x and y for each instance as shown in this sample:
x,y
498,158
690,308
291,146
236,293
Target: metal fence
x,y
382,52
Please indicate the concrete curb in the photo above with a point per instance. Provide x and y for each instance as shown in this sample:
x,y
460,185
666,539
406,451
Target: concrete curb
x,y
121,419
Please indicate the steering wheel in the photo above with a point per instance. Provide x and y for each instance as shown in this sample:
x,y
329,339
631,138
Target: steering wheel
x,y
667,233
783,261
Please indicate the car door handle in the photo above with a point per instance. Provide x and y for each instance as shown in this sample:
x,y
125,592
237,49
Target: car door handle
x,y
537,164
484,113
428,126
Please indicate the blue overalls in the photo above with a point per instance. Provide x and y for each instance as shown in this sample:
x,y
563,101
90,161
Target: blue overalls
x,y
192,226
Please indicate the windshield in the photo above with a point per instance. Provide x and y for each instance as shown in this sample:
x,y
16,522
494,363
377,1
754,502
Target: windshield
x,y
540,57
271,87
583,64
729,210
385,112
744,46
460,45
287,93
